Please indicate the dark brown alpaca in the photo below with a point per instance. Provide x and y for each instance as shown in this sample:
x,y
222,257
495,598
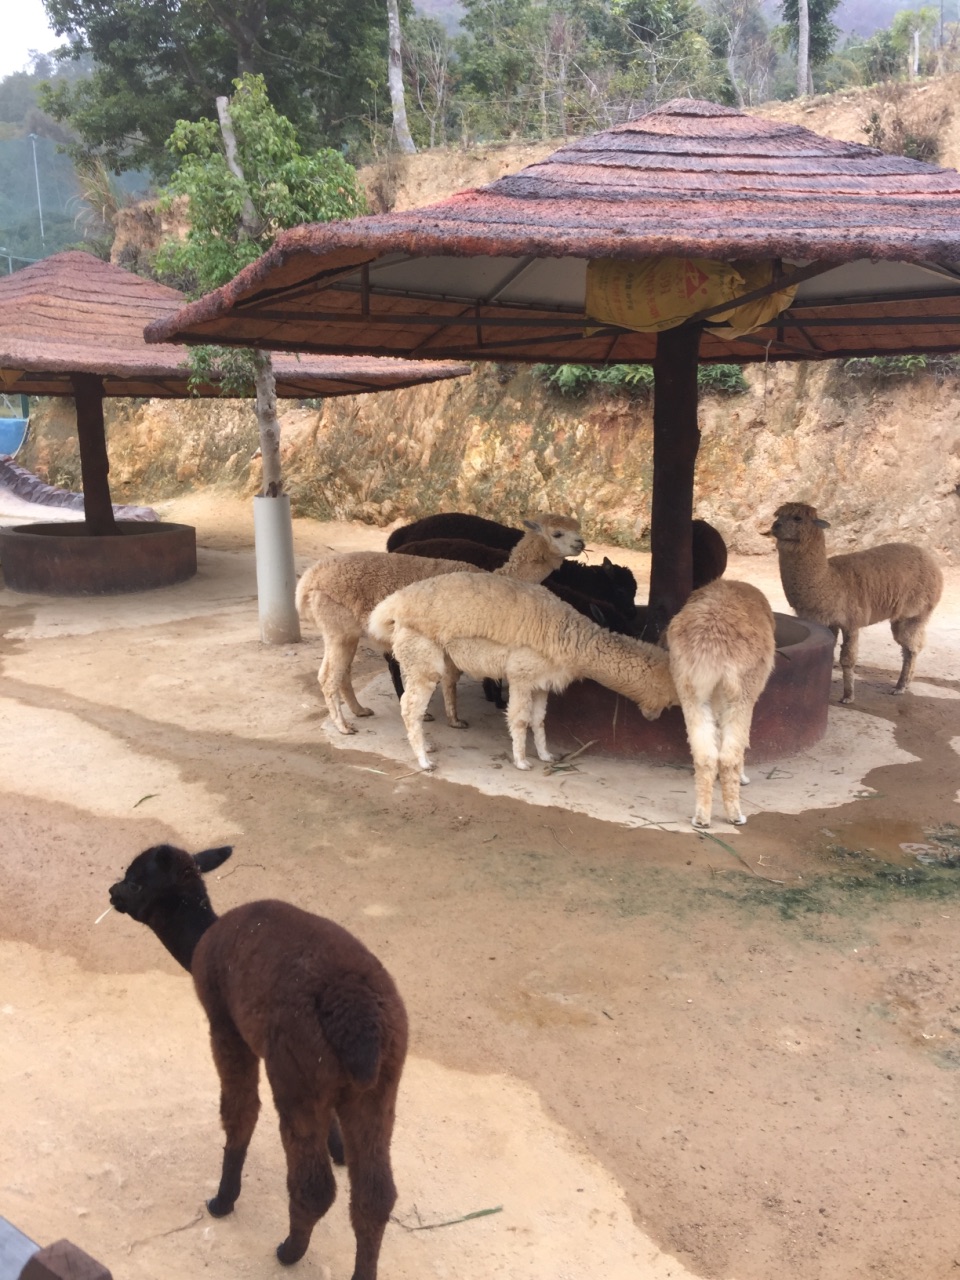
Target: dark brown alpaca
x,y
308,997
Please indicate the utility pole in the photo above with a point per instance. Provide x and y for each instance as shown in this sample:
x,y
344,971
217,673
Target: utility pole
x,y
36,174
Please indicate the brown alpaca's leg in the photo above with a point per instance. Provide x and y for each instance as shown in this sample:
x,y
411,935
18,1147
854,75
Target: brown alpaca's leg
x,y
335,1141
848,661
307,1124
238,1069
909,634
367,1128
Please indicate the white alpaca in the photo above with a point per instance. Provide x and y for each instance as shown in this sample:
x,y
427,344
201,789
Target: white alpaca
x,y
721,647
491,626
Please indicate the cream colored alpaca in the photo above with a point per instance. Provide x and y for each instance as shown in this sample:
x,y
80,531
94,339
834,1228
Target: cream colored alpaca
x,y
338,592
721,647
492,626
896,580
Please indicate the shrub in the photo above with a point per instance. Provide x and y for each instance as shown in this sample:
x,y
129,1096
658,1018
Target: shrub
x,y
635,380
907,366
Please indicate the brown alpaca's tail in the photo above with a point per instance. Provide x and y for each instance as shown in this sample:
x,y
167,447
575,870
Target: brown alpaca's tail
x,y
351,1020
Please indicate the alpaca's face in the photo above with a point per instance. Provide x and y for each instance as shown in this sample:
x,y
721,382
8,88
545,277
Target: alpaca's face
x,y
795,521
163,875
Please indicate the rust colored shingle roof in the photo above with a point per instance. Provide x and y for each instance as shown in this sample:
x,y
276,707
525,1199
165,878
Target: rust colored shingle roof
x,y
688,179
73,313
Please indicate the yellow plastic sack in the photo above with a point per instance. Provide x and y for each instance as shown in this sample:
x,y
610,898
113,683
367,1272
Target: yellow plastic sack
x,y
660,293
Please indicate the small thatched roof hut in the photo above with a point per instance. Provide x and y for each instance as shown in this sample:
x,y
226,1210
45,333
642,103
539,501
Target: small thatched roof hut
x,y
72,325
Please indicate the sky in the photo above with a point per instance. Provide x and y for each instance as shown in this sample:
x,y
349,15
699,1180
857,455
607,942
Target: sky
x,y
24,28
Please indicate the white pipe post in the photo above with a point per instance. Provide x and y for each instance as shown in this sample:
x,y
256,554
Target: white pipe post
x,y
276,573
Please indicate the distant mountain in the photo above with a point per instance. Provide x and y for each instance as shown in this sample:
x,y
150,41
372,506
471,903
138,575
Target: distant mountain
x,y
448,12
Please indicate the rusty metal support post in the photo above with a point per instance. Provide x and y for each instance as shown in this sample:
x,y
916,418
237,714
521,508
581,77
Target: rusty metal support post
x,y
676,441
94,464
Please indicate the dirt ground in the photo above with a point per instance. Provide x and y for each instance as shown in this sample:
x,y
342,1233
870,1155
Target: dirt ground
x,y
657,1054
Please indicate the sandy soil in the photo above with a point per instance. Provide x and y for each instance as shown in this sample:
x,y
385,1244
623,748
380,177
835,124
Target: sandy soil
x,y
655,1053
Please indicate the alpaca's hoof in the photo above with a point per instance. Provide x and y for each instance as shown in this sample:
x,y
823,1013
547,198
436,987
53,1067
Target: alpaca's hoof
x,y
744,780
897,689
346,729
427,717
363,711
523,764
458,724
289,1253
428,766
700,823
845,702
218,1208
737,820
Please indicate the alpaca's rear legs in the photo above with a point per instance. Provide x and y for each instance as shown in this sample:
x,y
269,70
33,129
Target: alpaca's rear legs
x,y
238,1069
909,634
423,665
310,1182
702,736
734,724
335,1141
367,1129
308,1126
334,678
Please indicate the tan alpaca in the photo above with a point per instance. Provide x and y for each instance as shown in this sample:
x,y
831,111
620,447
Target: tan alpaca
x,y
896,580
338,592
721,647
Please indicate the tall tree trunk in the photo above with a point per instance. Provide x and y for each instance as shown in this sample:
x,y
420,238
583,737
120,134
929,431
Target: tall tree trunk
x,y
401,129
273,530
803,48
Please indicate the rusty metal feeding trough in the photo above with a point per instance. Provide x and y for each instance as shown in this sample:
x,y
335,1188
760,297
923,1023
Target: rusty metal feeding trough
x,y
71,325
850,252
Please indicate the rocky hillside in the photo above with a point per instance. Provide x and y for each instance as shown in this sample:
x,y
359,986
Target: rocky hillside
x,y
879,456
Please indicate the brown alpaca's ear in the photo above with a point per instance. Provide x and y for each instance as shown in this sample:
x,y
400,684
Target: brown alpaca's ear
x,y
210,859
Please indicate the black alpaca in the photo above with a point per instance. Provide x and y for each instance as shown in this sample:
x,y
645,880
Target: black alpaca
x,y
308,998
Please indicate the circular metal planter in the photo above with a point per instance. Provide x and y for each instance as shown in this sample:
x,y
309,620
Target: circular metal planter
x,y
790,716
64,560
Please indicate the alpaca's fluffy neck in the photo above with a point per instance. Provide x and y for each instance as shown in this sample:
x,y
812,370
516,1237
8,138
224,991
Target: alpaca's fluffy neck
x,y
181,928
629,667
803,564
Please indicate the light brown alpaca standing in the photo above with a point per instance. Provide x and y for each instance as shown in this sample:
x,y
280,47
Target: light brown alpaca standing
x,y
721,647
896,580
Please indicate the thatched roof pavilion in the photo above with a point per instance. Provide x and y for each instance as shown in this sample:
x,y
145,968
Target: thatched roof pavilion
x,y
72,325
869,242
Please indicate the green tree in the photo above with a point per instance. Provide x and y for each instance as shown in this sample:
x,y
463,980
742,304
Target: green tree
x,y
910,30
167,60
246,179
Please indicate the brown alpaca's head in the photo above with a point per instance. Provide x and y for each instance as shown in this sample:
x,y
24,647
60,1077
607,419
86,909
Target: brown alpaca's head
x,y
796,522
